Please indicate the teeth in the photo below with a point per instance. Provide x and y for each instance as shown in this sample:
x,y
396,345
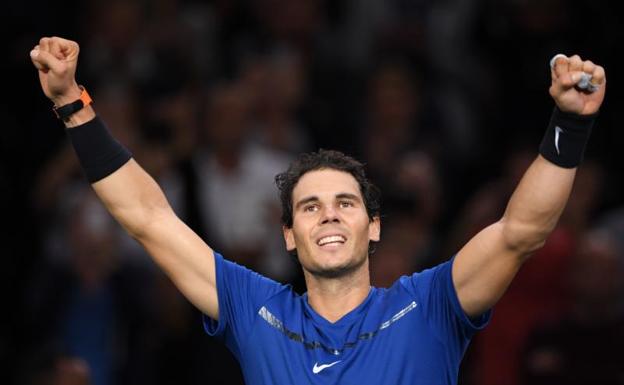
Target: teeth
x,y
331,239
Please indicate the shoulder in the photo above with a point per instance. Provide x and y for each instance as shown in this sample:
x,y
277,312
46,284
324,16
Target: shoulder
x,y
424,279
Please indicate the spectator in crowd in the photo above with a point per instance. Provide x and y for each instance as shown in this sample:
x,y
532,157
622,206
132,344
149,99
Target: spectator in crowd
x,y
584,347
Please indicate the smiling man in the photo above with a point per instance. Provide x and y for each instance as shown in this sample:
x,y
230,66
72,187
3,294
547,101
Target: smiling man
x,y
342,330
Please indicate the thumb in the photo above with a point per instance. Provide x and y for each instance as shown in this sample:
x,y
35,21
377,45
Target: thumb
x,y
45,61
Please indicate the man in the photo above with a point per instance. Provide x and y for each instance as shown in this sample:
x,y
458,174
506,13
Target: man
x,y
341,331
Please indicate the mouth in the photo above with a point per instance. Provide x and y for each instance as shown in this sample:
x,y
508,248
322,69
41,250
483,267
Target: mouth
x,y
331,240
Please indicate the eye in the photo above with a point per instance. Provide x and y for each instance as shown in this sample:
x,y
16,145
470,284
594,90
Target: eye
x,y
345,204
310,208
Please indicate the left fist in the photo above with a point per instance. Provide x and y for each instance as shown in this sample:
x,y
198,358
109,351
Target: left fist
x,y
566,73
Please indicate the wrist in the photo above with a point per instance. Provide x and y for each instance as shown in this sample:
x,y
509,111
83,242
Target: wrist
x,y
81,117
72,94
98,152
77,111
566,137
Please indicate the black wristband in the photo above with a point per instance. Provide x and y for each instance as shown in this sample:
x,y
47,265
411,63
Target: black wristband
x,y
66,111
566,137
98,152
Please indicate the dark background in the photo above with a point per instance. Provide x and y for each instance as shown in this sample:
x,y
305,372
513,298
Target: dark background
x,y
476,70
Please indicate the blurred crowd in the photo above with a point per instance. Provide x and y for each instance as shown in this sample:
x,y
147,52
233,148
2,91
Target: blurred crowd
x,y
444,101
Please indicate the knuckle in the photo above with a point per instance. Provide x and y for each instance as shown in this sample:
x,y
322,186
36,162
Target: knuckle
x,y
561,60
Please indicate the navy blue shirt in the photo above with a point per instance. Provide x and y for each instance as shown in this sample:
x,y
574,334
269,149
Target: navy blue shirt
x,y
414,332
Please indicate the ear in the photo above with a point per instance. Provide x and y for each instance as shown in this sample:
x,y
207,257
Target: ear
x,y
289,238
374,229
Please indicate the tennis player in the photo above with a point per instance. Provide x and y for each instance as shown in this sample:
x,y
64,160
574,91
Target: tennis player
x,y
342,330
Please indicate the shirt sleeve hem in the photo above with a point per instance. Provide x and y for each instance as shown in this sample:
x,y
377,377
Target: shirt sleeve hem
x,y
475,324
214,327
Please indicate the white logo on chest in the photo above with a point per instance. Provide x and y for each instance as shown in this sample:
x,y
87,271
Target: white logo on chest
x,y
318,368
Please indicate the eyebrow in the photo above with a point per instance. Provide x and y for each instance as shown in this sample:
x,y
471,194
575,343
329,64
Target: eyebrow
x,y
348,196
314,198
304,201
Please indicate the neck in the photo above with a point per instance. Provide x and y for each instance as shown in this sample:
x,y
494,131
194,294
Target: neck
x,y
332,298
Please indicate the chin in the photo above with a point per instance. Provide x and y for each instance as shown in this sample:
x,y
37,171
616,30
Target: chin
x,y
332,272
337,270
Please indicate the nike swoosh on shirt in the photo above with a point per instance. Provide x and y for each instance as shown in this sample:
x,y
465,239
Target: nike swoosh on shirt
x,y
558,131
318,368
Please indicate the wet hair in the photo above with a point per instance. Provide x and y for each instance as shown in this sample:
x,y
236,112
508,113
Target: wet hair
x,y
325,159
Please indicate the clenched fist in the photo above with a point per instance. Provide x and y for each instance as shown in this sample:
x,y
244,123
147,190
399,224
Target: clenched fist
x,y
55,59
566,74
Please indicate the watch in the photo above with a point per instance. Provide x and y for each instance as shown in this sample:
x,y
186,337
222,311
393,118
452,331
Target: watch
x,y
64,112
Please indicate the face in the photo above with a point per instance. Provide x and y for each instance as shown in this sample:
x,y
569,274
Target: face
x,y
331,229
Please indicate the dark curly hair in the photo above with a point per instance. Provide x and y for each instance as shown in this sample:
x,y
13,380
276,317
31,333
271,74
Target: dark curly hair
x,y
325,159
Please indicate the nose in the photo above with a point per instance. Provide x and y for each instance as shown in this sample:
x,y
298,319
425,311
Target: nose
x,y
329,215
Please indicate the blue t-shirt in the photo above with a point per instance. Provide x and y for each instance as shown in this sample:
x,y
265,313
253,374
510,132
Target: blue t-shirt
x,y
414,332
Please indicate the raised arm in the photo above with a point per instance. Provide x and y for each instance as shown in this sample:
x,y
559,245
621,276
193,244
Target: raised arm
x,y
128,192
486,265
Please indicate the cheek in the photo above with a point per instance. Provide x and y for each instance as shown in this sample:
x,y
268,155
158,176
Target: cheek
x,y
299,239
362,235
362,246
299,234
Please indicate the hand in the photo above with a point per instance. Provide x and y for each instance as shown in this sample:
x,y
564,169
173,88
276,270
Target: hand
x,y
56,60
566,74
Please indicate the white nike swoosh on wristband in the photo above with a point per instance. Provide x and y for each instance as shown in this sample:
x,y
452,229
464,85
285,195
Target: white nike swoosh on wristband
x,y
317,369
558,131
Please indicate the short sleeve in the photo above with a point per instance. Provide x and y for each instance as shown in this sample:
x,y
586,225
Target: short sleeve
x,y
433,289
241,293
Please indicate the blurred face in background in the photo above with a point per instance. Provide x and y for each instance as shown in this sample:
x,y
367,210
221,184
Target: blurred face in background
x,y
597,273
227,122
93,243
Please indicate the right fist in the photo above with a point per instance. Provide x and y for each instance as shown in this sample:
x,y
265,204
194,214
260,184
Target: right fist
x,y
566,73
56,59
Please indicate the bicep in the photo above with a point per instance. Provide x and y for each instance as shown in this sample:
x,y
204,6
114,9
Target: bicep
x,y
484,268
186,259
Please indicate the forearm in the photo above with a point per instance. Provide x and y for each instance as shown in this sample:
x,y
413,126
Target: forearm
x,y
133,197
536,205
129,193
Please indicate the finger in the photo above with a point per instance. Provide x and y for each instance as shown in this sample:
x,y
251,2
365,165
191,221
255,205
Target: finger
x,y
46,61
570,79
589,67
560,65
44,44
554,58
575,63
590,84
33,53
55,49
598,76
68,48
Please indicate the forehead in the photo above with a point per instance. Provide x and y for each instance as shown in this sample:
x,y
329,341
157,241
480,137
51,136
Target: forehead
x,y
325,182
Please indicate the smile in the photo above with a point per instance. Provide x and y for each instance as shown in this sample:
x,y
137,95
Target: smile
x,y
331,240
